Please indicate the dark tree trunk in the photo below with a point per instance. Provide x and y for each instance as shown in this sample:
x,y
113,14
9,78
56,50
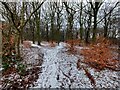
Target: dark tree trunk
x,y
87,36
69,33
18,46
95,26
47,32
80,21
21,35
33,35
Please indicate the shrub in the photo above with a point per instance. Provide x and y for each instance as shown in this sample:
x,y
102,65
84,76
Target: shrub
x,y
100,56
71,44
9,56
21,68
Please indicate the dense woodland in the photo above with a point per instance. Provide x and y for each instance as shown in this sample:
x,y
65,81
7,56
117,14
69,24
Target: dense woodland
x,y
75,23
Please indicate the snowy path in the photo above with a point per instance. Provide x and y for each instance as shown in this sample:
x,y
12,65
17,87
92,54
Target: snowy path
x,y
48,78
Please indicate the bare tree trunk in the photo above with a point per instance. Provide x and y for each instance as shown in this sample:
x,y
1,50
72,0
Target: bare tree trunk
x,y
95,26
47,32
69,33
106,23
38,30
70,17
22,21
88,29
80,21
39,38
18,46
33,35
52,27
0,49
37,20
95,7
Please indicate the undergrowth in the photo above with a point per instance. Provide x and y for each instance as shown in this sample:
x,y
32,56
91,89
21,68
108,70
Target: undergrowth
x,y
100,56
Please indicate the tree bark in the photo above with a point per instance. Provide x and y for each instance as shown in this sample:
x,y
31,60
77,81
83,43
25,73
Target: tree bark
x,y
47,32
80,21
0,49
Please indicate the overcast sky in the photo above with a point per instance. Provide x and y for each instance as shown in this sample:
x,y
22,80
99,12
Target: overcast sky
x,y
57,0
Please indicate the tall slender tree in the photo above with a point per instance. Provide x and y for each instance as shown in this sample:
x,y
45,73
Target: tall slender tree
x,y
95,8
70,20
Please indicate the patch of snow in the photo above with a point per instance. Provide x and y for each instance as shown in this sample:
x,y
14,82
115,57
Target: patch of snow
x,y
43,43
62,44
34,45
1,69
32,55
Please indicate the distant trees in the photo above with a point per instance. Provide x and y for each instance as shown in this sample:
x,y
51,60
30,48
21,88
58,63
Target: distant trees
x,y
110,20
52,21
37,21
59,14
95,8
52,18
81,20
70,19
88,23
46,20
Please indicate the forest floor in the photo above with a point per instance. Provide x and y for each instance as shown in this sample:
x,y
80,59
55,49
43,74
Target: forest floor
x,y
59,70
55,67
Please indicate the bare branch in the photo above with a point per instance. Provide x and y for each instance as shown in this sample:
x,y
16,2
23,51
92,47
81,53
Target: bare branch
x,y
11,13
109,12
33,13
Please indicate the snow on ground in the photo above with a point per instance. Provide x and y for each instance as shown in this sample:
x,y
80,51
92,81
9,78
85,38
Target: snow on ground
x,y
33,55
59,71
1,69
